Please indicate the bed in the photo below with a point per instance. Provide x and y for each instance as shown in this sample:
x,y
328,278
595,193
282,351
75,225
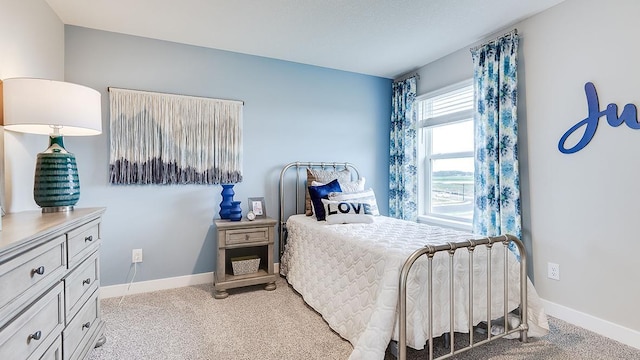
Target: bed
x,y
378,281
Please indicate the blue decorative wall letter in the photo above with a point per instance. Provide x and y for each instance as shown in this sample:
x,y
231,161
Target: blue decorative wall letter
x,y
629,116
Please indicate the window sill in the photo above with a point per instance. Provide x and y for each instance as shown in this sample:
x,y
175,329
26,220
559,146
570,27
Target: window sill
x,y
453,224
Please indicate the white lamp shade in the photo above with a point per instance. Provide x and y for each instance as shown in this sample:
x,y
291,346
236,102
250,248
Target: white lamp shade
x,y
35,106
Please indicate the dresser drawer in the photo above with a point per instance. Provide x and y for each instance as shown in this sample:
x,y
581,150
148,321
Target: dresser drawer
x,y
54,352
81,328
244,236
26,276
81,242
79,285
31,333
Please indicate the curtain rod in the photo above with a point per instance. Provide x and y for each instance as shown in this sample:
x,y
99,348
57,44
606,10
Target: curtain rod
x,y
509,33
409,76
173,94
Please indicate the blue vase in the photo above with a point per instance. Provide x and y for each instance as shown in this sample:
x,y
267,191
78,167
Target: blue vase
x,y
227,198
235,213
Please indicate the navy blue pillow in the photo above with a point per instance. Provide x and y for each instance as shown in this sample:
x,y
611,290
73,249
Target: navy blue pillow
x,y
317,193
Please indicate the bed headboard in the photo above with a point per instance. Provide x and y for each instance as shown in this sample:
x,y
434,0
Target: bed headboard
x,y
293,185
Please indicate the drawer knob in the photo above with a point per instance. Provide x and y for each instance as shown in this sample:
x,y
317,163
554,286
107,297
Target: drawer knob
x,y
86,325
36,335
88,238
246,237
86,281
38,270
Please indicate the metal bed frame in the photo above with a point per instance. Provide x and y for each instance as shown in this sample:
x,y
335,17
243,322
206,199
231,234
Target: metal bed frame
x,y
470,245
430,251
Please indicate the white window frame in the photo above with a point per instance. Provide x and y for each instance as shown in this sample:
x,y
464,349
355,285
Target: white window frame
x,y
424,159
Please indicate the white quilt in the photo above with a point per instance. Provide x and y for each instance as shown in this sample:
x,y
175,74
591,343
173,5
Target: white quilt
x,y
349,273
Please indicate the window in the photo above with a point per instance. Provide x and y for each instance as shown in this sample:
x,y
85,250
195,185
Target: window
x,y
445,165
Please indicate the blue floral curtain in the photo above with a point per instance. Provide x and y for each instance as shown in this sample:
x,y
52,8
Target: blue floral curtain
x,y
497,180
403,179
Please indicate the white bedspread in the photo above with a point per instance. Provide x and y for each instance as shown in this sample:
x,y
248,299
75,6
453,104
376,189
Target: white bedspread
x,y
349,273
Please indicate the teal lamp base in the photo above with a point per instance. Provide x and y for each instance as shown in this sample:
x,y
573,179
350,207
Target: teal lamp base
x,y
56,185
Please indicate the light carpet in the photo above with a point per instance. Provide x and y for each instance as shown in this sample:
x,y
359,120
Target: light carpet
x,y
188,323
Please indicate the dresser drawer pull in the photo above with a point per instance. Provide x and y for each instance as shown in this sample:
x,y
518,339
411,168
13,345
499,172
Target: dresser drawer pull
x,y
86,281
88,238
38,270
36,335
246,237
86,325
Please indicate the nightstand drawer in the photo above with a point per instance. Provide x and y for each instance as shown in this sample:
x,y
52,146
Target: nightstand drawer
x,y
79,330
31,333
79,285
29,275
243,236
82,242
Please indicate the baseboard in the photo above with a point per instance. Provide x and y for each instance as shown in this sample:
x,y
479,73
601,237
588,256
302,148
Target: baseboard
x,y
160,284
603,327
140,287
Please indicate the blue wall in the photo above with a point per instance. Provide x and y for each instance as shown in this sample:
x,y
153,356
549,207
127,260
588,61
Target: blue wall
x,y
292,112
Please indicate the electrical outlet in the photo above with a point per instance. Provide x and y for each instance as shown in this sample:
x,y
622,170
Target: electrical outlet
x,y
136,256
553,271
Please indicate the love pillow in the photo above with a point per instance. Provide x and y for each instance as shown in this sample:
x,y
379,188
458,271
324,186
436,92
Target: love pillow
x,y
347,212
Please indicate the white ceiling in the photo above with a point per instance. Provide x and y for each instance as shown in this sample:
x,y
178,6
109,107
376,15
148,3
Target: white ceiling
x,y
384,38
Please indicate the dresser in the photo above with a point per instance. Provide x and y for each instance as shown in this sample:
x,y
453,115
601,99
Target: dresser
x,y
49,281
237,239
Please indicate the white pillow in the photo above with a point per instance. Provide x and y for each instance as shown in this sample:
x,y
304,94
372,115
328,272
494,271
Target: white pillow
x,y
352,186
365,196
347,212
346,186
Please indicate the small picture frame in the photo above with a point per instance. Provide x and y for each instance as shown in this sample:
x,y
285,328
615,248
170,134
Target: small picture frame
x,y
256,205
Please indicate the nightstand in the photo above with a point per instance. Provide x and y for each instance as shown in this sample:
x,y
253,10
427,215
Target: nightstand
x,y
243,238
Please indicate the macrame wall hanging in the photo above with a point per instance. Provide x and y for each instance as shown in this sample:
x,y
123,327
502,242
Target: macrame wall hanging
x,y
161,138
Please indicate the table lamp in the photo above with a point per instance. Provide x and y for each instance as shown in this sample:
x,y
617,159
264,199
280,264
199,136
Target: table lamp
x,y
57,109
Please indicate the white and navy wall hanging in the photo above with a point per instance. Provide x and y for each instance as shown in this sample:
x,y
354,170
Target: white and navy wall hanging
x,y
159,138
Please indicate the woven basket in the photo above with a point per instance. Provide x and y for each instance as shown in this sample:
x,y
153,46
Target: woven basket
x,y
245,264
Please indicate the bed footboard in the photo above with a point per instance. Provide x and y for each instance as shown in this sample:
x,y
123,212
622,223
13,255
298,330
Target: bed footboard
x,y
429,251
